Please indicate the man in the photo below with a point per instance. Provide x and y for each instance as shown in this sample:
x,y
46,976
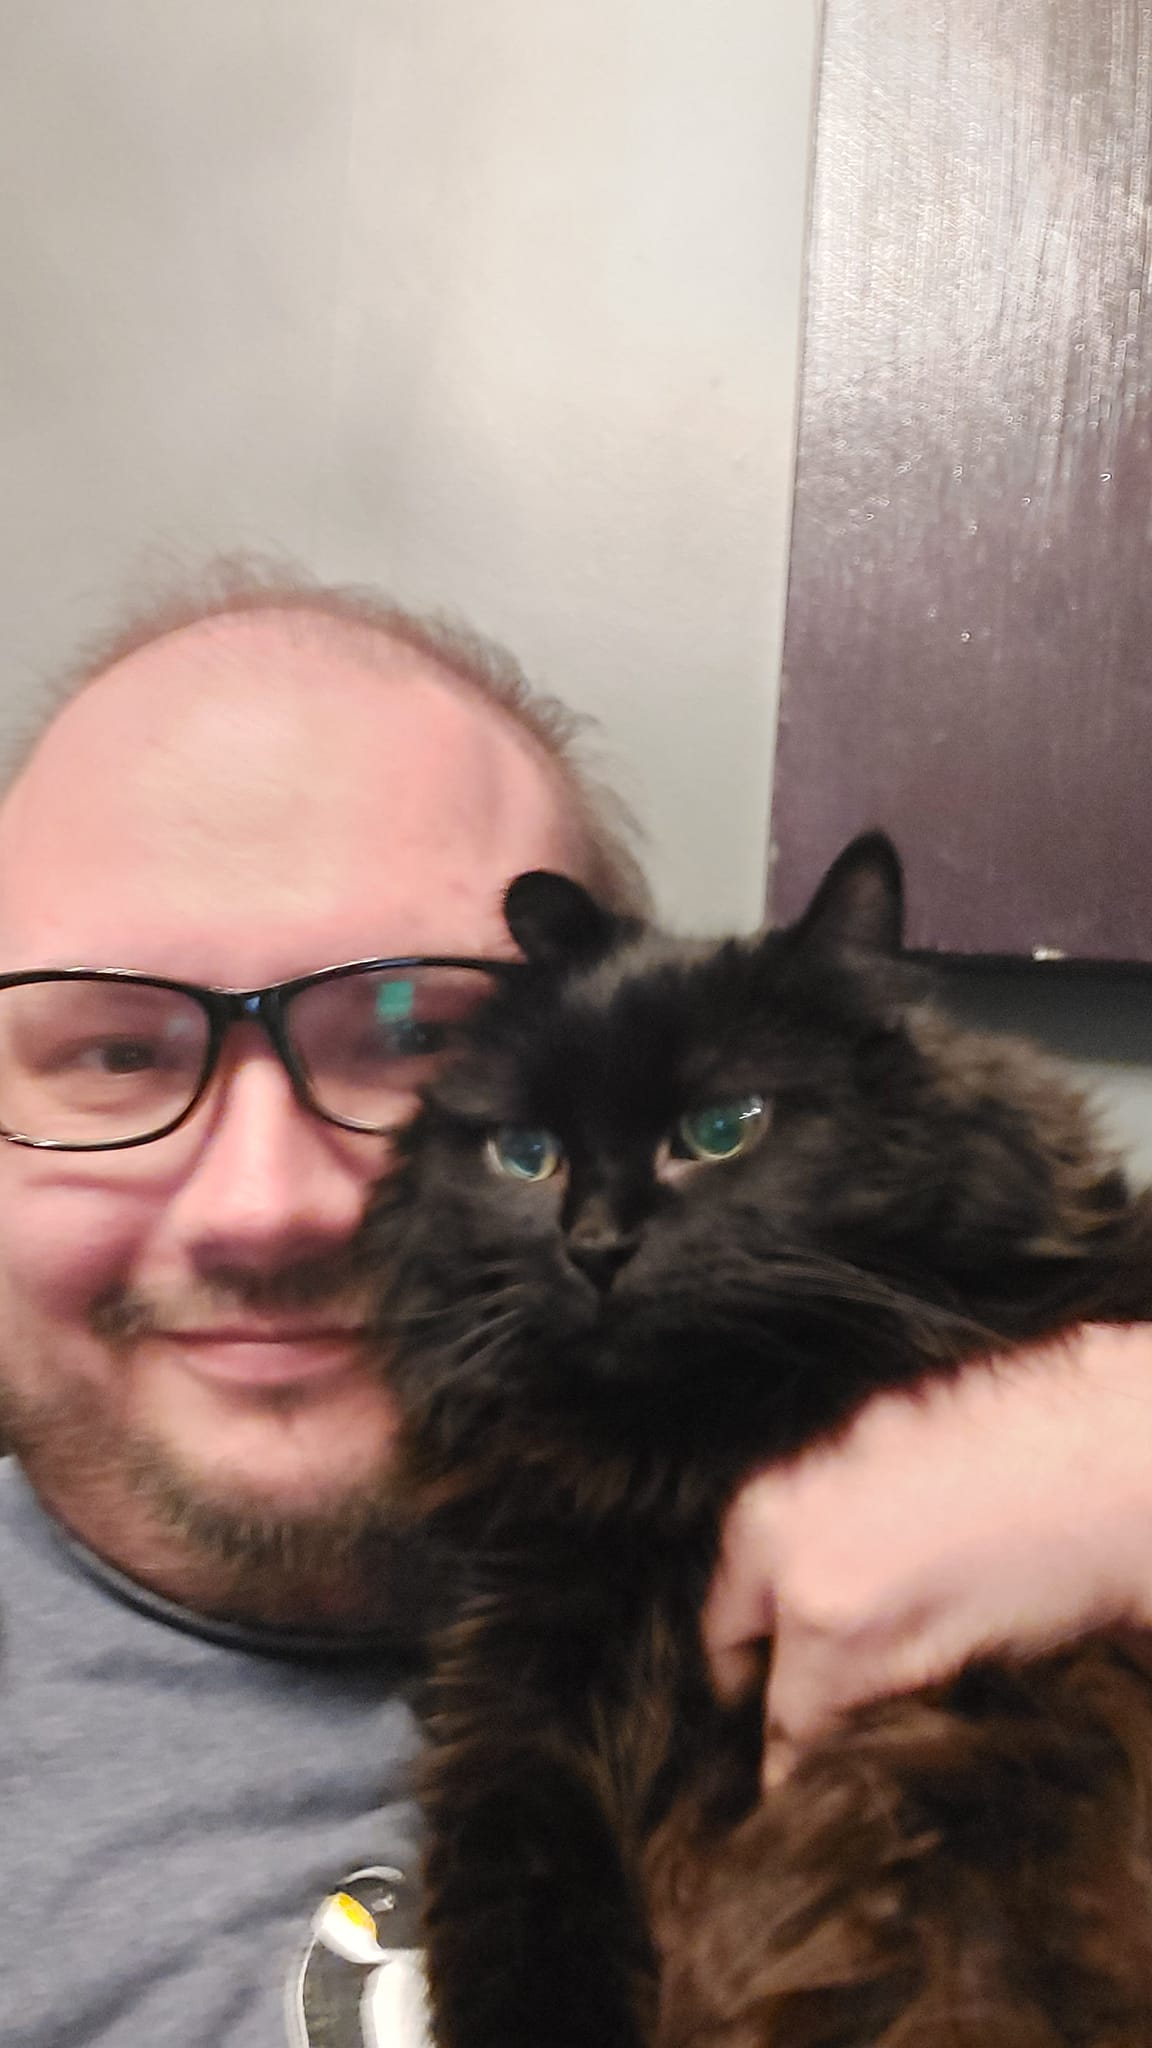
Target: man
x,y
207,1646
197,1745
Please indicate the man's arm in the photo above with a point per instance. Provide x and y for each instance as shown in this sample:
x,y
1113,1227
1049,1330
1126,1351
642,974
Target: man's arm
x,y
1011,1508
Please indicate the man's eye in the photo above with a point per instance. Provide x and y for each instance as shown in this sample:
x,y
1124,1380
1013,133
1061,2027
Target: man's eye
x,y
126,1058
722,1130
522,1153
113,1056
409,1037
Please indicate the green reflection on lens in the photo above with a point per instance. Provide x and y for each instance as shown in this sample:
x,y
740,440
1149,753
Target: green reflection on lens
x,y
395,1000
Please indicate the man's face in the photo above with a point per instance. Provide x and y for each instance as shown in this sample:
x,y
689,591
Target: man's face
x,y
240,803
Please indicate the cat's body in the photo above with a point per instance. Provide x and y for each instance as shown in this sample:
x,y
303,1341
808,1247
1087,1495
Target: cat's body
x,y
678,1212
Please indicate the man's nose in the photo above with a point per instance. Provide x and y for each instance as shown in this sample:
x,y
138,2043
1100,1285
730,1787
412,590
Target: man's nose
x,y
270,1182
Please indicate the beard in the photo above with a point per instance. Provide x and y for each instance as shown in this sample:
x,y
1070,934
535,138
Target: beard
x,y
77,1448
244,1532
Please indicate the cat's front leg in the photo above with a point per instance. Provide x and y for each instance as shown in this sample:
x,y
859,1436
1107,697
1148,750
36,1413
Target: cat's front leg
x,y
535,1926
534,1939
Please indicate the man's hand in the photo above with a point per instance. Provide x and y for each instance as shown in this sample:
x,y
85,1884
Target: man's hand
x,y
1010,1508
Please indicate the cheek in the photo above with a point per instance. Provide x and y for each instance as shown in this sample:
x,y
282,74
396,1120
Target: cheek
x,y
66,1241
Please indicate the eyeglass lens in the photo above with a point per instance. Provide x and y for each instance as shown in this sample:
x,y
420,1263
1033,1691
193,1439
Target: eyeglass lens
x,y
366,1042
98,1062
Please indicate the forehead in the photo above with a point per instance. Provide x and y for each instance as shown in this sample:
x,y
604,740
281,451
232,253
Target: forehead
x,y
247,800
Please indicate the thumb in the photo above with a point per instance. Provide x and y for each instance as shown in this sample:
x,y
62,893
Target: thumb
x,y
810,1684
739,1614
819,1675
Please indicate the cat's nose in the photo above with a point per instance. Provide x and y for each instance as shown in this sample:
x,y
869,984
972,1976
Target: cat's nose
x,y
600,1255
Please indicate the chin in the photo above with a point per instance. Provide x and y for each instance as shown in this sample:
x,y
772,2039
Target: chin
x,y
269,1462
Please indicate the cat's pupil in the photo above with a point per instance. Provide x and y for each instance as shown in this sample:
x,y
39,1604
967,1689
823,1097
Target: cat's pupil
x,y
722,1129
523,1153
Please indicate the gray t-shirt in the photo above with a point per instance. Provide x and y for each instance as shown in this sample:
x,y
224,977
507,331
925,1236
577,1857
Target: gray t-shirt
x,y
207,1835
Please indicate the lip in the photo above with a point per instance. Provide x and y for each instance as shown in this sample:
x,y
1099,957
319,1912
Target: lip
x,y
239,1355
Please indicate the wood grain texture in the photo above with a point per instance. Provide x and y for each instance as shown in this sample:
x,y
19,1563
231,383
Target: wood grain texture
x,y
969,636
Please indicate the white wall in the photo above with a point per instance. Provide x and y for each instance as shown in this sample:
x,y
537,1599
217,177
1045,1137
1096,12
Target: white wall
x,y
495,302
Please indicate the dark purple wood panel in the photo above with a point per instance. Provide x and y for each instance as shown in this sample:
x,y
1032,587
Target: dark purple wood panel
x,y
968,654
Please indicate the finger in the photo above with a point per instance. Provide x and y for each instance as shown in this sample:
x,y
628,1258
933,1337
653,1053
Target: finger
x,y
739,1614
811,1685
780,1756
808,1687
817,1676
738,1669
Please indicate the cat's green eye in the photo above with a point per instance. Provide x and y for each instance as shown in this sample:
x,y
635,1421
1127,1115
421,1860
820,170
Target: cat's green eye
x,y
523,1153
723,1129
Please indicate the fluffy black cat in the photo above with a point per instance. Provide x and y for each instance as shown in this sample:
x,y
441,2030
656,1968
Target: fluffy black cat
x,y
678,1210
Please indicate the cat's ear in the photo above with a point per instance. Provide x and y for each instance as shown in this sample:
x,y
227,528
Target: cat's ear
x,y
553,919
860,902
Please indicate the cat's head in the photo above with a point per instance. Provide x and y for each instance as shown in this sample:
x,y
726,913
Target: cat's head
x,y
632,1065
662,1162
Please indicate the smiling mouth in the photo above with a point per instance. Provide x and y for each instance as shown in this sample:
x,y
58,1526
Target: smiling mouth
x,y
272,1356
265,1333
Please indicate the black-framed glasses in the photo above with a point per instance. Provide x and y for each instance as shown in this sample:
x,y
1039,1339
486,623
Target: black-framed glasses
x,y
98,1059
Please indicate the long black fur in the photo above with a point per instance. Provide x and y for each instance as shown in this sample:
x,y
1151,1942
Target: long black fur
x,y
588,1366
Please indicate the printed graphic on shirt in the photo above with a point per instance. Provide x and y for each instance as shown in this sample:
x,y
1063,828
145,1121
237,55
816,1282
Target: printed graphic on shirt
x,y
361,1983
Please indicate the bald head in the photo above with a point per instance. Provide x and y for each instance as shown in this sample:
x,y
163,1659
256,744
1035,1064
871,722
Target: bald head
x,y
346,617
272,770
